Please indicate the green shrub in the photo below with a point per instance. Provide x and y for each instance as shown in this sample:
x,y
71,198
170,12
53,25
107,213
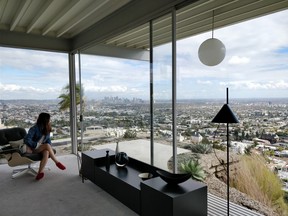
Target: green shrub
x,y
86,147
130,134
219,146
193,167
201,148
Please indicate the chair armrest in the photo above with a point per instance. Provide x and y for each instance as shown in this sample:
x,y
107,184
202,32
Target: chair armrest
x,y
33,156
9,150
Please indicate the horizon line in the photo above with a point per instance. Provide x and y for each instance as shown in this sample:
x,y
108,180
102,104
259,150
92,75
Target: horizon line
x,y
183,99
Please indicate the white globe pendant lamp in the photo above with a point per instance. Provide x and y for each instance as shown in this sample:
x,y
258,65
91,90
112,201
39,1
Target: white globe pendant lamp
x,y
212,51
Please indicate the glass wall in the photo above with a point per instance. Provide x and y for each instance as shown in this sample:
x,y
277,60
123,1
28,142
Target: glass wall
x,y
116,105
253,70
30,83
162,85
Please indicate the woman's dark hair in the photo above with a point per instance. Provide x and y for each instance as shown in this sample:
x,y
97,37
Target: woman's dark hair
x,y
43,122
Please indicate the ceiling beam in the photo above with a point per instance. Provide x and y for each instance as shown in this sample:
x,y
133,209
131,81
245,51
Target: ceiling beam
x,y
3,4
37,42
131,15
20,12
118,52
60,16
107,9
81,16
196,19
41,13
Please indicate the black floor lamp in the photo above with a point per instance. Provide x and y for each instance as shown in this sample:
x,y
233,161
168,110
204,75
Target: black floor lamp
x,y
226,115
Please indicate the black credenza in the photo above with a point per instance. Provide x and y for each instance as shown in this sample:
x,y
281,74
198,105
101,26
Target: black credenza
x,y
145,197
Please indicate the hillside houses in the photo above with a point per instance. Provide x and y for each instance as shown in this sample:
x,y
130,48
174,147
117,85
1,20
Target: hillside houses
x,y
193,123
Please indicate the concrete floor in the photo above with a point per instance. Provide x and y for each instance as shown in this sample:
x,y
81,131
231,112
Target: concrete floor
x,y
59,193
62,193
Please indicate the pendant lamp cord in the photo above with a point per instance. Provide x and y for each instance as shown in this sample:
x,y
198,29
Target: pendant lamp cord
x,y
213,24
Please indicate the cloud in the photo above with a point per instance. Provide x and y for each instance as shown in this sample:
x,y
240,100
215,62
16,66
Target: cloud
x,y
107,89
253,85
206,82
29,60
13,87
235,60
255,61
10,87
9,91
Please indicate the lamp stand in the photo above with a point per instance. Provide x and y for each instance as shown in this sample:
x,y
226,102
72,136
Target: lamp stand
x,y
228,169
226,115
227,158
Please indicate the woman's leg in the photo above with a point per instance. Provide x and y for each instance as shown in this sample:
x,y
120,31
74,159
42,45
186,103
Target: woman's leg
x,y
43,162
48,148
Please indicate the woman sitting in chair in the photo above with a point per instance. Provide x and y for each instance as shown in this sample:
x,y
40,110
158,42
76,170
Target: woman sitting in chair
x,y
38,141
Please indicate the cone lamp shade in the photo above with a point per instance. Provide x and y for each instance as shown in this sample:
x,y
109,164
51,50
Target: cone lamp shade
x,y
225,115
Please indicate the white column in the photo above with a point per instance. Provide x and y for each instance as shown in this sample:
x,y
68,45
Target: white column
x,y
174,123
73,106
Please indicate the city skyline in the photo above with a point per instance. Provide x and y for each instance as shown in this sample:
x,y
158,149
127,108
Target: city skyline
x,y
255,66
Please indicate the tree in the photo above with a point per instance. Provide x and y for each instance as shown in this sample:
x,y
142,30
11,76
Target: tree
x,y
65,97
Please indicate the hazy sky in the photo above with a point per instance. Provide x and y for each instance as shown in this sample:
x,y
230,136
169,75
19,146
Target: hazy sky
x,y
256,65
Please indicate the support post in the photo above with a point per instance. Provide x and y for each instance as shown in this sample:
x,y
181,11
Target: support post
x,y
174,125
73,106
151,96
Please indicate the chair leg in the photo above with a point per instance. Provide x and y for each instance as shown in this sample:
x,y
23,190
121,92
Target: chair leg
x,y
20,172
31,170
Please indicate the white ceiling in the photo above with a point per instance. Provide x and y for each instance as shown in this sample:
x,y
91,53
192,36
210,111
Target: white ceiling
x,y
70,25
197,18
54,18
